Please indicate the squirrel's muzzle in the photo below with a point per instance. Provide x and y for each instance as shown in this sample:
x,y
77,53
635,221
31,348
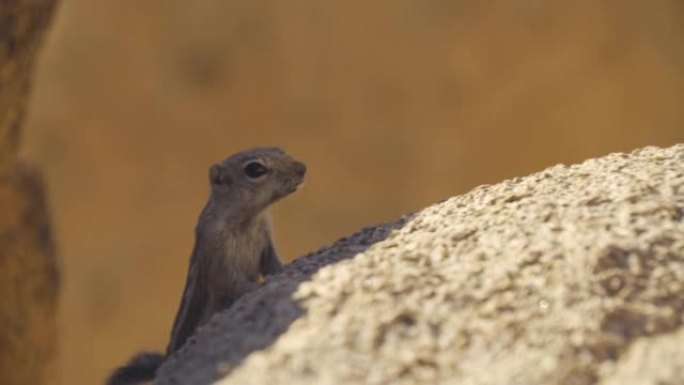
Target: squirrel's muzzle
x,y
299,168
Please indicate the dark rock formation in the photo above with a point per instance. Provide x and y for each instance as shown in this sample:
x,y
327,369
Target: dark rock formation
x,y
28,269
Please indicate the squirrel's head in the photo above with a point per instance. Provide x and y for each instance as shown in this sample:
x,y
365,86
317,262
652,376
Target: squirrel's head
x,y
249,181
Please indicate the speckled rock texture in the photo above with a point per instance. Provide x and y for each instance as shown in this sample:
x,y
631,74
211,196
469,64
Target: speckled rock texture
x,y
574,275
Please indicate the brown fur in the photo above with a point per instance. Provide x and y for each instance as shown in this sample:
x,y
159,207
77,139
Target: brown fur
x,y
233,245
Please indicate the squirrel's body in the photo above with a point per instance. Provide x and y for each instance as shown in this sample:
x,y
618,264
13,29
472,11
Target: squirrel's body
x,y
224,265
233,245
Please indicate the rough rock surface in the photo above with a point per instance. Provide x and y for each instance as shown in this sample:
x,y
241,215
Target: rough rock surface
x,y
28,268
574,275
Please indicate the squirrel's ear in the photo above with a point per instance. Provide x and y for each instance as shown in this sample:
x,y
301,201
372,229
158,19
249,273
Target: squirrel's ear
x,y
215,172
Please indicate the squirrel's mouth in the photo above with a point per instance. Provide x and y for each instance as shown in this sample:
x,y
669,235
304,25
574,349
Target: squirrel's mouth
x,y
296,185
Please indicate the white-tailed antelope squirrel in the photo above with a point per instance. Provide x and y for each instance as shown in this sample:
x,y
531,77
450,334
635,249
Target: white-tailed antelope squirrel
x,y
233,245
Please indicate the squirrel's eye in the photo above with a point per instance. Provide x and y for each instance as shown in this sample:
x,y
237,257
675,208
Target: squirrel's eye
x,y
254,170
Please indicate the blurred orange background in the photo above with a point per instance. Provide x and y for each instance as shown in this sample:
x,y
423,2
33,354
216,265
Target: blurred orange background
x,y
393,105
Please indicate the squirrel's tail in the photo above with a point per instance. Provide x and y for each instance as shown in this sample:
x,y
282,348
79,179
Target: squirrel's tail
x,y
139,369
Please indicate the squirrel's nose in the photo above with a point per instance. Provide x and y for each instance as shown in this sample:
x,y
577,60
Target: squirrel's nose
x,y
299,168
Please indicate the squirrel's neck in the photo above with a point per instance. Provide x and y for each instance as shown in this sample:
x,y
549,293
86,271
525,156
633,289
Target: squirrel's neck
x,y
222,218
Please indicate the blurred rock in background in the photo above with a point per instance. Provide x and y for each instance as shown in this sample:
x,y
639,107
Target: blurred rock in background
x,y
393,105
28,265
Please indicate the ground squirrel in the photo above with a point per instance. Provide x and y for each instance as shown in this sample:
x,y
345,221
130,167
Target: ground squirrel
x,y
233,245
